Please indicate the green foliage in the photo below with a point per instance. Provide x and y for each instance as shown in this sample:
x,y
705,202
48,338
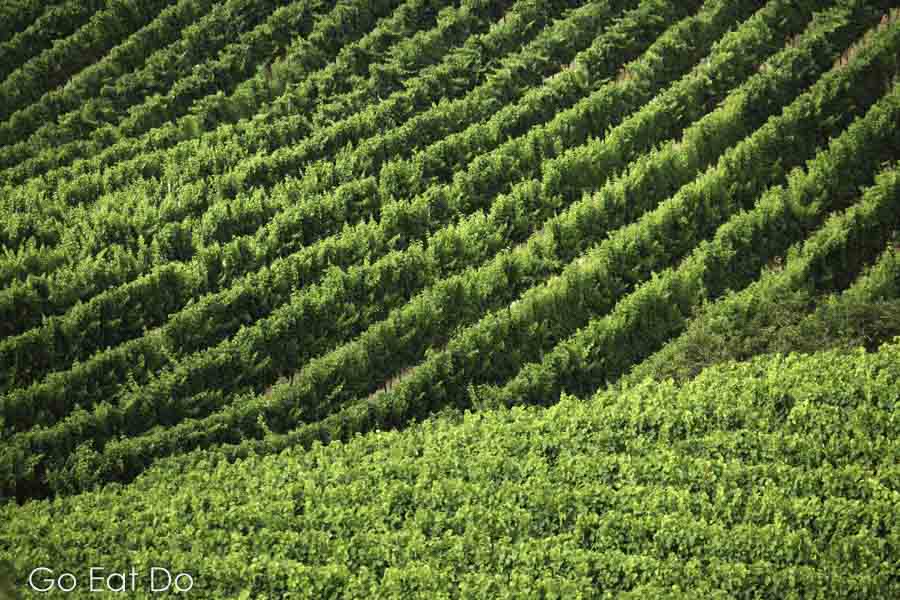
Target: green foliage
x,y
93,85
111,23
237,355
268,287
246,238
204,59
773,478
58,21
760,321
7,581
18,15
238,217
641,322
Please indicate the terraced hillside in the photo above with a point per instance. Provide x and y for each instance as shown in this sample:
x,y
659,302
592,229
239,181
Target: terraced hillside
x,y
569,249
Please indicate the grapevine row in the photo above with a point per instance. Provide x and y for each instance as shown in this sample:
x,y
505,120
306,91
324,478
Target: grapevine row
x,y
415,397
197,102
606,347
17,16
57,21
451,294
32,260
784,283
576,485
214,158
254,291
148,62
233,64
112,227
54,66
302,57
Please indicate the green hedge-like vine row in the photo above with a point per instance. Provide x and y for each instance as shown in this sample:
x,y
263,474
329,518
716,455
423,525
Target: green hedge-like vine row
x,y
56,21
17,16
745,320
725,486
160,52
53,67
271,287
605,348
867,224
174,241
134,323
456,300
304,65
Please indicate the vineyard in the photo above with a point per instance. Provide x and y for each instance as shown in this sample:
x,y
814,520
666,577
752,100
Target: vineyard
x,y
451,299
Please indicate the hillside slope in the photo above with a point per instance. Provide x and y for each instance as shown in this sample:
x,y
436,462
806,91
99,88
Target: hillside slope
x,y
235,230
775,478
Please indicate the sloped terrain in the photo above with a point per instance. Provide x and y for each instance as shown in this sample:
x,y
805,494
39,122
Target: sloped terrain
x,y
238,234
769,479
